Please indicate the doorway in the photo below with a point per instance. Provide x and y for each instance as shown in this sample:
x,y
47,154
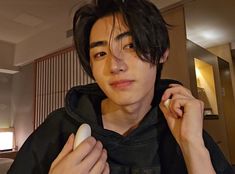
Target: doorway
x,y
228,105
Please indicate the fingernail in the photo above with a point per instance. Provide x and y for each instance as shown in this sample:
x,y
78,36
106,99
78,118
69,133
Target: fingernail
x,y
99,144
92,139
105,151
70,139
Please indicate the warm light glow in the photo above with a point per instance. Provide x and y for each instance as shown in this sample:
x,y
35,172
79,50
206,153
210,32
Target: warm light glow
x,y
209,35
212,34
198,73
6,140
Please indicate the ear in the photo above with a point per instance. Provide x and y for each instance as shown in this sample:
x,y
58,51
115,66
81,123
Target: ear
x,y
164,58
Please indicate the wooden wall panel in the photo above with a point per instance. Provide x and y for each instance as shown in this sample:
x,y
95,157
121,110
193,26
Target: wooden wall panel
x,y
55,75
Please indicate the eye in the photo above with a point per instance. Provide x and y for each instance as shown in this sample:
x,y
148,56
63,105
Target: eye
x,y
129,46
99,55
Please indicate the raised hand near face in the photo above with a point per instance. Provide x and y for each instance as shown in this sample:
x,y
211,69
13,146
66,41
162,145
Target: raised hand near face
x,y
184,116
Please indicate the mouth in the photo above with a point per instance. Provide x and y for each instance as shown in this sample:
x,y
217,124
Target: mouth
x,y
122,84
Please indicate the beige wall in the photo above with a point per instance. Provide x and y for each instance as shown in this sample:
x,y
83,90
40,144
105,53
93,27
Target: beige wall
x,y
23,103
7,55
224,52
177,65
5,100
16,102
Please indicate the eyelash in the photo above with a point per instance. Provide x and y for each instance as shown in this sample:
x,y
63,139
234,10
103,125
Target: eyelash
x,y
99,54
129,46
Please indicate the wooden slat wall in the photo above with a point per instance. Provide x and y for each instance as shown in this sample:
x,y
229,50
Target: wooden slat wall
x,y
55,75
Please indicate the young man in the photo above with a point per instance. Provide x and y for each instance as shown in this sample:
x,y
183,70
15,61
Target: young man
x,y
122,45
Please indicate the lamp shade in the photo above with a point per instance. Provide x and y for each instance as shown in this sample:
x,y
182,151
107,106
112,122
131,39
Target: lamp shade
x,y
6,139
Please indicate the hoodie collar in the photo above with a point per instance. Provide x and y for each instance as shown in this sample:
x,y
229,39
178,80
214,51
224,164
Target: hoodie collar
x,y
82,103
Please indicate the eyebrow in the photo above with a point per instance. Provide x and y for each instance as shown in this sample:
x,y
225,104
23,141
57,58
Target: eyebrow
x,y
117,38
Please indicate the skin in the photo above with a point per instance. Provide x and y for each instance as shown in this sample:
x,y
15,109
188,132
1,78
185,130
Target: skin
x,y
88,157
113,59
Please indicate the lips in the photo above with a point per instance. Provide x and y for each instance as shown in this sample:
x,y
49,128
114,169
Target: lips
x,y
121,84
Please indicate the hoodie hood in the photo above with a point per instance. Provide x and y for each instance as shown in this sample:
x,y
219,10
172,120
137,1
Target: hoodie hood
x,y
139,147
83,103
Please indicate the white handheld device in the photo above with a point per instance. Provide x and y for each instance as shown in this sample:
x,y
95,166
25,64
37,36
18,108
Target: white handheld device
x,y
167,103
83,132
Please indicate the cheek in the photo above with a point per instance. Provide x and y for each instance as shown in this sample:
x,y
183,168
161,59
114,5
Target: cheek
x,y
94,69
149,77
97,71
145,70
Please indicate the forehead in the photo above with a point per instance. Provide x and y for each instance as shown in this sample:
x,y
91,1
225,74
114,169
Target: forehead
x,y
108,27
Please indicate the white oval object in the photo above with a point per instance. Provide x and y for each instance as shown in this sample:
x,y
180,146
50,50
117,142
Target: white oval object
x,y
83,132
167,103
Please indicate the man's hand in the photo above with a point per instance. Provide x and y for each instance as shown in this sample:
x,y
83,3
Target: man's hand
x,y
184,116
89,157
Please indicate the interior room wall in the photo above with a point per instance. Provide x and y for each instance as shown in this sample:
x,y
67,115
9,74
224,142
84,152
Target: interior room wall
x,y
228,105
5,100
23,103
6,55
175,17
216,128
224,52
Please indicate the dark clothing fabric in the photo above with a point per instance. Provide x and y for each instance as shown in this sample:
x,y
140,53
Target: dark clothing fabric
x,y
149,149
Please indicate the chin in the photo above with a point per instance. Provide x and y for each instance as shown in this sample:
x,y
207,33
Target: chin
x,y
124,100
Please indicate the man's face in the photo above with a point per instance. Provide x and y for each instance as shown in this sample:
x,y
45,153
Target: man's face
x,y
117,69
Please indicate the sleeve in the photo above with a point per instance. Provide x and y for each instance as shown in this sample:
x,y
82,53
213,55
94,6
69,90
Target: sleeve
x,y
172,160
27,160
219,162
41,147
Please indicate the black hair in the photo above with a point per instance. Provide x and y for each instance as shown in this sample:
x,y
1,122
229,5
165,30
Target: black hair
x,y
146,25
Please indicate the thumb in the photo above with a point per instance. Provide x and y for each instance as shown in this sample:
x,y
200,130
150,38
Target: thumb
x,y
68,147
169,116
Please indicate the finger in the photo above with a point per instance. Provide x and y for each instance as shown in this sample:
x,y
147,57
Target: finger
x,y
106,169
176,90
100,164
174,85
166,110
179,96
177,107
176,110
170,117
90,160
83,149
188,105
65,151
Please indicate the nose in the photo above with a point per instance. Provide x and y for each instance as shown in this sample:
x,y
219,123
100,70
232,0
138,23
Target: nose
x,y
117,63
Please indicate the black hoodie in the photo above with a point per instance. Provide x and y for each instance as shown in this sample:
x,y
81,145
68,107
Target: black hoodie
x,y
149,149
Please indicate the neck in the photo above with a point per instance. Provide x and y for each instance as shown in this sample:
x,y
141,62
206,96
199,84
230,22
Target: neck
x,y
123,119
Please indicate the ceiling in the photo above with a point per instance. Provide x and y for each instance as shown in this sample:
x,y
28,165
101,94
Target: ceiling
x,y
211,22
208,22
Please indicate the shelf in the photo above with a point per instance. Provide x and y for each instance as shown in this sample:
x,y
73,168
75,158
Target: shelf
x,y
8,154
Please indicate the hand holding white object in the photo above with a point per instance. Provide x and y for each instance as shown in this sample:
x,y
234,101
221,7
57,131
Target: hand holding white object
x,y
184,116
83,132
83,154
167,103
